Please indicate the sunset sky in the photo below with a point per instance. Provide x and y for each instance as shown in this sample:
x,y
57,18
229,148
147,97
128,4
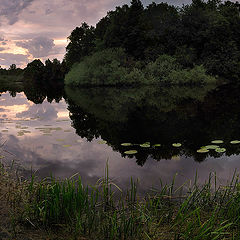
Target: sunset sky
x,y
39,28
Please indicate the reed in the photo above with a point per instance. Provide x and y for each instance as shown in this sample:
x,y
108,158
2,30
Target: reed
x,y
104,211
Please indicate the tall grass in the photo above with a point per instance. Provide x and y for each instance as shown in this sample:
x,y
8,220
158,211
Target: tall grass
x,y
104,211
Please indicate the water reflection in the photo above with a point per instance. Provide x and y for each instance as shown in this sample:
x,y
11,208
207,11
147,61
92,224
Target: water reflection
x,y
58,131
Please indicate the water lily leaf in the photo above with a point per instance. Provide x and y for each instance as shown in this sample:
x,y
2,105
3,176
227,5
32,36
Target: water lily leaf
x,y
20,134
66,145
145,145
1,157
176,144
220,150
235,142
47,134
157,145
4,130
131,152
211,146
67,130
60,140
126,144
202,150
217,141
102,142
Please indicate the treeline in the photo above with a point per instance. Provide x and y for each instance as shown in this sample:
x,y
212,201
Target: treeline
x,y
204,33
38,71
13,70
50,71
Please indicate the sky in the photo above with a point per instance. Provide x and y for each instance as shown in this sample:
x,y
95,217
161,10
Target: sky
x,y
32,29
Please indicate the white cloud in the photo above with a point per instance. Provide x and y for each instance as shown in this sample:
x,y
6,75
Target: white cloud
x,y
38,47
6,59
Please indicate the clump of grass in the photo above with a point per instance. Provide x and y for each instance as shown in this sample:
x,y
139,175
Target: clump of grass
x,y
104,211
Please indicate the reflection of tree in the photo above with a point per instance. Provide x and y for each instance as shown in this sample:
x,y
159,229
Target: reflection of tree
x,y
84,124
37,93
193,117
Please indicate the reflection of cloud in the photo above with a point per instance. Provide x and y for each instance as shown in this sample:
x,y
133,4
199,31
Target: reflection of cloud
x,y
4,110
7,100
44,110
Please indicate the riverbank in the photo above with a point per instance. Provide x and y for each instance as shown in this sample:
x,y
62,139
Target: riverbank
x,y
54,209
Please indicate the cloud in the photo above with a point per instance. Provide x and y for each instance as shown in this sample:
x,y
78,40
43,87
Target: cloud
x,y
9,58
1,49
38,47
11,9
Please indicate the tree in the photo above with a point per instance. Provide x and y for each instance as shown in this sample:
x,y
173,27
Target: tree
x,y
34,70
81,44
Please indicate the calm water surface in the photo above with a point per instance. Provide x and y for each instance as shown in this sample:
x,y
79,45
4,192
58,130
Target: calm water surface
x,y
62,134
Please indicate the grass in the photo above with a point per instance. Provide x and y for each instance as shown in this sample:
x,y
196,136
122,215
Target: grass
x,y
104,211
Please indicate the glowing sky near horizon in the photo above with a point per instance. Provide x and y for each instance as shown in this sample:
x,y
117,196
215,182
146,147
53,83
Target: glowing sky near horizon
x,y
32,29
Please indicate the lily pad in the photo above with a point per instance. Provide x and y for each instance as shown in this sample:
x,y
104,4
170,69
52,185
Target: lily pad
x,y
1,157
157,145
145,145
211,146
102,142
217,141
60,140
220,150
235,142
130,152
176,144
20,134
126,144
4,130
203,150
66,146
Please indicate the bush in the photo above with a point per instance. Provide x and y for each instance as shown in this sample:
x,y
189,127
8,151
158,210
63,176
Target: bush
x,y
108,67
159,69
194,76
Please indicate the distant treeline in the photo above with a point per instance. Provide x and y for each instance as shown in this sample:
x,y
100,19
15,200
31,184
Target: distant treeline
x,y
159,43
50,71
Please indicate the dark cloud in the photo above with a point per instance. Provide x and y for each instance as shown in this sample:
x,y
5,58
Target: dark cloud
x,y
11,9
38,47
10,58
1,49
171,2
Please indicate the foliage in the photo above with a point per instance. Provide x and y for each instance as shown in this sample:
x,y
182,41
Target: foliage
x,y
34,70
81,44
162,67
201,33
108,67
195,76
113,67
